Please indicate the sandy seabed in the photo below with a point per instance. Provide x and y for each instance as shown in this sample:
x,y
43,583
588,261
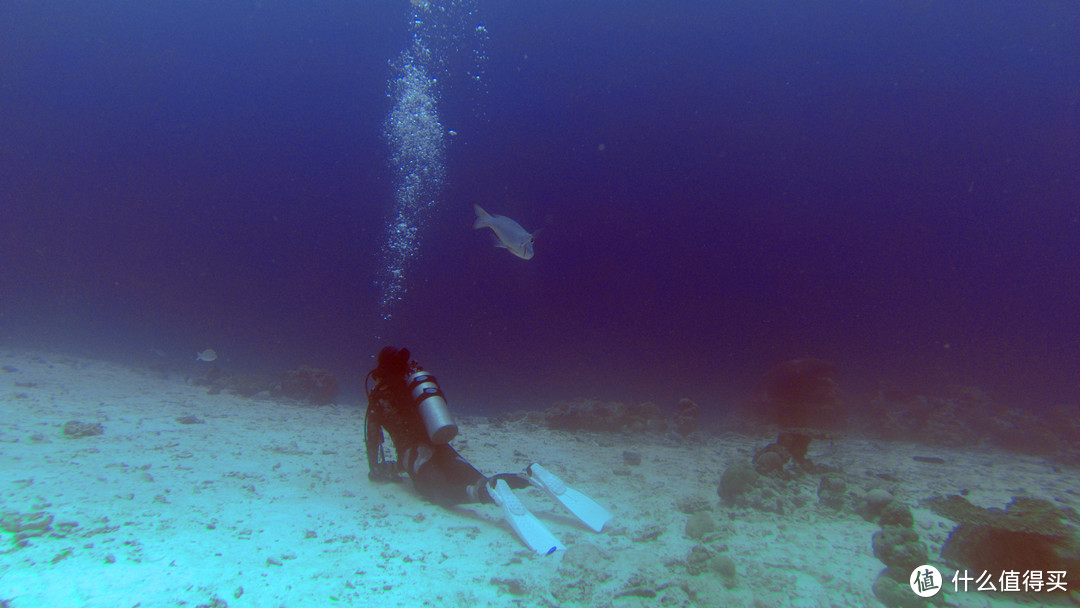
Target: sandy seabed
x,y
191,499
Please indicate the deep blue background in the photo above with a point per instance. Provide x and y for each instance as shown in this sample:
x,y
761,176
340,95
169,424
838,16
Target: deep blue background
x,y
722,186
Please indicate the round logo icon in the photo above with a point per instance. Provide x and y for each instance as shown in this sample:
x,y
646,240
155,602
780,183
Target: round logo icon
x,y
925,581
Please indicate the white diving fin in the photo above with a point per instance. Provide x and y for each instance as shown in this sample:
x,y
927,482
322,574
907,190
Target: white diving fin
x,y
583,507
528,528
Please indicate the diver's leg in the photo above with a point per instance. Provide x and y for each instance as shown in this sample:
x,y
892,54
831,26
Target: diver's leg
x,y
447,479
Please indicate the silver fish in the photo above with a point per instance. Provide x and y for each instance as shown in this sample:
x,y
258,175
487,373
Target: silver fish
x,y
207,355
509,233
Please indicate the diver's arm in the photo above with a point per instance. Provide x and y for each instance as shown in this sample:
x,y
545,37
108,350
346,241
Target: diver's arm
x,y
373,437
378,468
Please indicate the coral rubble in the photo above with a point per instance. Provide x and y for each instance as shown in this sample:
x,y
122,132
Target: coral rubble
x,y
318,386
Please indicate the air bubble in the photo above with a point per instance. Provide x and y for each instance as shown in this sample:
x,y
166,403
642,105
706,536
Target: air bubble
x,y
415,134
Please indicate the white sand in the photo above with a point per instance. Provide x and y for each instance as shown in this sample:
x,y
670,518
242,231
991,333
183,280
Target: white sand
x,y
268,504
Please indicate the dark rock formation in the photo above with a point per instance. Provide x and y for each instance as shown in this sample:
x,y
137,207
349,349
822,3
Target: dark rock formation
x,y
688,417
1029,534
799,393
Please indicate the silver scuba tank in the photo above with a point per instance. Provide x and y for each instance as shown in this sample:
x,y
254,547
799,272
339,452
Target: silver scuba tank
x,y
427,396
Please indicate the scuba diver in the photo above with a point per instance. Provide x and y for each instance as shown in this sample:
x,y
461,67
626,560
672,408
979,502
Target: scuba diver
x,y
407,402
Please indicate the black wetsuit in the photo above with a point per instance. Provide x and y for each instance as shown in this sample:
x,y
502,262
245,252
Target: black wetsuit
x,y
438,472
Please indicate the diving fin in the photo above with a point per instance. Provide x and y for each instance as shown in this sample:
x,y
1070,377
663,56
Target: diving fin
x,y
528,528
583,507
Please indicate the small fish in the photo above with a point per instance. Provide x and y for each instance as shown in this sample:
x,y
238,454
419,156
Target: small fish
x,y
509,233
207,355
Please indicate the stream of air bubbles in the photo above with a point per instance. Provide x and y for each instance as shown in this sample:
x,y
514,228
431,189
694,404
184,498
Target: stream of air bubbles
x,y
415,133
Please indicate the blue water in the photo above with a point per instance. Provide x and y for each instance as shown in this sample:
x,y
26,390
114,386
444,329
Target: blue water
x,y
721,186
